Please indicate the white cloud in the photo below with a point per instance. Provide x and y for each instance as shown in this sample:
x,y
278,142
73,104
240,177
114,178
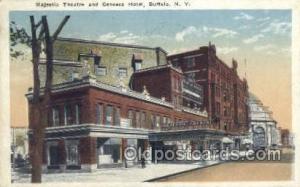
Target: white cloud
x,y
244,27
277,27
124,31
263,19
108,36
243,16
266,47
201,31
122,37
222,32
253,39
187,31
226,50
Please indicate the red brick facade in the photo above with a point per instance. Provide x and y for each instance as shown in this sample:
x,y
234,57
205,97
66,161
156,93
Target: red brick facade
x,y
225,94
161,82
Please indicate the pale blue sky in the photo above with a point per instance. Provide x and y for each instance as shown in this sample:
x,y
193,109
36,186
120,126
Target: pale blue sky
x,y
231,30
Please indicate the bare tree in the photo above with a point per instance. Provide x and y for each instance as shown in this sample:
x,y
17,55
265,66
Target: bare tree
x,y
46,102
40,105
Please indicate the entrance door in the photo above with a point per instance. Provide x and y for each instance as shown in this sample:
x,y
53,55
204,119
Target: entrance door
x,y
54,155
259,138
73,158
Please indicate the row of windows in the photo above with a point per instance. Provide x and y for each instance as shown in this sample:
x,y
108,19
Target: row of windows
x,y
102,71
190,62
71,115
158,121
108,115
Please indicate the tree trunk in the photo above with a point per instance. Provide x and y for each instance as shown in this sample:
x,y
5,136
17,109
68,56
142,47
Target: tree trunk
x,y
41,108
36,140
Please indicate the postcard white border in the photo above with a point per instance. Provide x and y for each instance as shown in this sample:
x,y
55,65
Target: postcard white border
x,y
9,5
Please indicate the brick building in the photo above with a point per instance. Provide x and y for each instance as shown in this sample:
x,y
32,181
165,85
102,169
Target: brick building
x,y
224,92
170,84
108,96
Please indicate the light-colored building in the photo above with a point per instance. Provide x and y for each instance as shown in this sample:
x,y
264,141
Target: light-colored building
x,y
263,128
19,142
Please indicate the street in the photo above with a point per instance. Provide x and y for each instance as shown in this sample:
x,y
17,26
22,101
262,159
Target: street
x,y
237,172
241,171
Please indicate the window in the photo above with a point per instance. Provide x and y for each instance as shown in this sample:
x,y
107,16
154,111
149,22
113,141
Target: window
x,y
99,113
164,120
72,154
108,115
152,121
169,121
68,115
101,71
218,108
74,76
77,114
191,75
217,91
157,120
179,83
137,65
137,119
174,100
175,63
137,61
190,62
97,60
130,117
122,72
117,116
55,116
143,120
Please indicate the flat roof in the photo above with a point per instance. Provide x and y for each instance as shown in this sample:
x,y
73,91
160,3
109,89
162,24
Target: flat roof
x,y
110,44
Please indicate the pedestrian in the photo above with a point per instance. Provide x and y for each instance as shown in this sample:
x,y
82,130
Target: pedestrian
x,y
143,163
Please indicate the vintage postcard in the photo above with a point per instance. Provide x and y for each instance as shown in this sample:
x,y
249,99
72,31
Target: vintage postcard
x,y
149,92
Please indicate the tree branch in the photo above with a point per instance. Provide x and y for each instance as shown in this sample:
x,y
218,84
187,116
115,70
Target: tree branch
x,y
42,31
38,24
61,25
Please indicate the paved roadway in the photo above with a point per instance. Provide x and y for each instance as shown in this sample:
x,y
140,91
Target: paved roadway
x,y
241,171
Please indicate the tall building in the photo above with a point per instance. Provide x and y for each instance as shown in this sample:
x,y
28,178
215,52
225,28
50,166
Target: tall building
x,y
224,92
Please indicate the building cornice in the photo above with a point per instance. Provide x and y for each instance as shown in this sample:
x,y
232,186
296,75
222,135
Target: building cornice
x,y
158,68
91,82
111,44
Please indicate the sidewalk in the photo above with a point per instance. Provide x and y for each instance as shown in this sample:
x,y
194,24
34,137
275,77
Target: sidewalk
x,y
136,174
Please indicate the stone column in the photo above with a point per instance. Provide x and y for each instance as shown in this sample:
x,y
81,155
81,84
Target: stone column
x,y
87,152
123,147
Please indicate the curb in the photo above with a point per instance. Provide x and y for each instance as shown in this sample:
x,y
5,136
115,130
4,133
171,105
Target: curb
x,y
181,172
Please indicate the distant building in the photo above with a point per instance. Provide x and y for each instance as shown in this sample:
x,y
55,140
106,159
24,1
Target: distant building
x,y
19,143
286,138
224,92
264,130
